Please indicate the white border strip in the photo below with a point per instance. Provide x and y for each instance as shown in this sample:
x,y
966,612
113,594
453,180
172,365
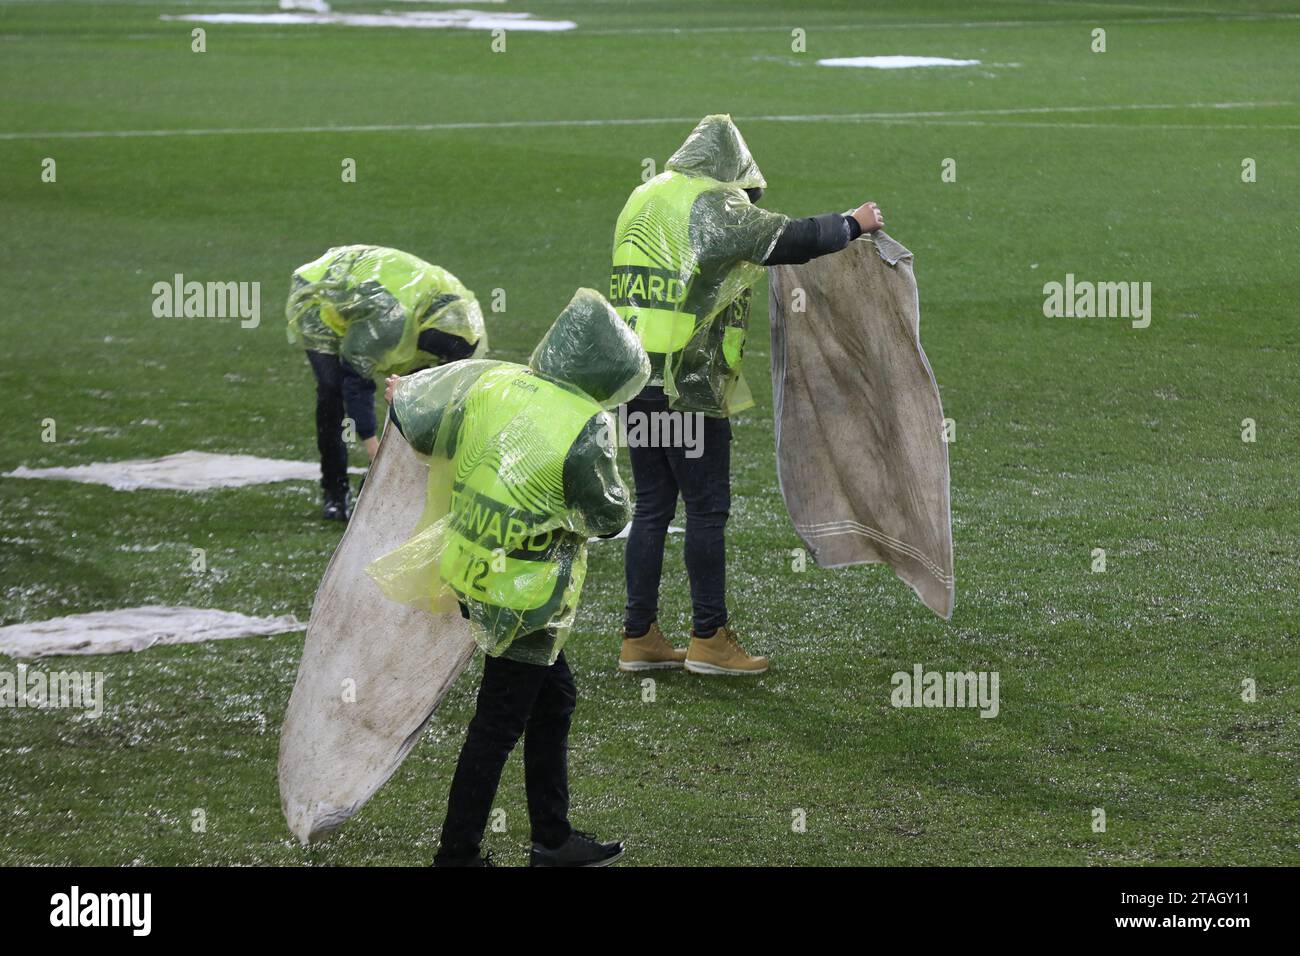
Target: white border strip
x,y
833,528
902,117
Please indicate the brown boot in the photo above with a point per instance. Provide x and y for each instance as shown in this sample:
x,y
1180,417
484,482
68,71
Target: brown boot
x,y
722,654
649,652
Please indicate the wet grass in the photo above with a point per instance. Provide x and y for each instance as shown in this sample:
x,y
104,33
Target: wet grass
x,y
1120,690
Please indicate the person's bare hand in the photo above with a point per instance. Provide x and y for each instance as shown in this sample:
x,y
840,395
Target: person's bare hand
x,y
390,386
869,217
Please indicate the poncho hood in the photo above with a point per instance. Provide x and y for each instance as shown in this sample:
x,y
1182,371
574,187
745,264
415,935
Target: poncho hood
x,y
592,349
716,149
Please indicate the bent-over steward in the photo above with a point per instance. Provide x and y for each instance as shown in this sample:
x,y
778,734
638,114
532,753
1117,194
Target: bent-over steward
x,y
378,308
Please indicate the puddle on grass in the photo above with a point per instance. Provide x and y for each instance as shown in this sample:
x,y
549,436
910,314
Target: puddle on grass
x,y
412,19
894,62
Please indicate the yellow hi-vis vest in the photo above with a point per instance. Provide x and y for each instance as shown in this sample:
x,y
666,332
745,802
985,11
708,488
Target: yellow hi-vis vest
x,y
655,264
394,294
508,556
693,326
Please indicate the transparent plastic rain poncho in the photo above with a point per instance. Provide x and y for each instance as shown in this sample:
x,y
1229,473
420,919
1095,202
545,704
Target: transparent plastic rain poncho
x,y
521,471
687,248
369,304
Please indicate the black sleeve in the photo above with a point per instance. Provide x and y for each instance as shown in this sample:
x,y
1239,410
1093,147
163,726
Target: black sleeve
x,y
392,417
805,239
448,347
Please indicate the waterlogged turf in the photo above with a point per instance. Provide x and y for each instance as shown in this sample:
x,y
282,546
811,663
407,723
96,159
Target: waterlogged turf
x,y
1119,691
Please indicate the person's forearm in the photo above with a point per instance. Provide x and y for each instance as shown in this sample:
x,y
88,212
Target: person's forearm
x,y
806,239
359,404
448,347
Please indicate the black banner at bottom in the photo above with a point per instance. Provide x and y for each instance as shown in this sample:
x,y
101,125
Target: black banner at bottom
x,y
334,905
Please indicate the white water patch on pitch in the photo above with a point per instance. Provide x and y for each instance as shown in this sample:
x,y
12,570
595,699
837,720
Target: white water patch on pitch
x,y
894,62
320,6
413,19
135,629
184,471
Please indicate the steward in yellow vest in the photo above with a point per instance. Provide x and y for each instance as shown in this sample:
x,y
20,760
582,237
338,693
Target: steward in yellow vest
x,y
522,471
370,305
688,246
363,312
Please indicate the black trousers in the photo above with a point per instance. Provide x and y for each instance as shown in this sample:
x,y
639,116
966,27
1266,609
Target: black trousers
x,y
338,389
704,484
514,700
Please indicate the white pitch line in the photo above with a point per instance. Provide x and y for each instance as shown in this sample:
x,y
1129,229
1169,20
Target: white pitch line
x,y
1207,17
894,117
1012,124
1121,7
1019,111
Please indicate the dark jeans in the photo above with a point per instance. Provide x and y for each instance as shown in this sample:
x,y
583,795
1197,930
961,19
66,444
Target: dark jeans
x,y
339,387
704,483
515,699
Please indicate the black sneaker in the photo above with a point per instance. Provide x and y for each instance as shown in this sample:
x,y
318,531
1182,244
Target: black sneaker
x,y
581,849
338,506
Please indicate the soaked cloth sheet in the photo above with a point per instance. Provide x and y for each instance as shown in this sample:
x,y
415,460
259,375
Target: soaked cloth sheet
x,y
184,471
859,427
134,629
373,671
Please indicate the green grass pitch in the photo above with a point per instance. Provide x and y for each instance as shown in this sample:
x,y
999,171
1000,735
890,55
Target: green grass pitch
x,y
1120,690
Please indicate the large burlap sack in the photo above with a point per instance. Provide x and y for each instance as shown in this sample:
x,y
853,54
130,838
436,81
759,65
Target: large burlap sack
x,y
860,451
373,671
